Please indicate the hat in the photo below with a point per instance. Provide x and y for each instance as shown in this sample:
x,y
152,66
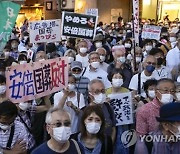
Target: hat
x,y
170,112
76,64
98,37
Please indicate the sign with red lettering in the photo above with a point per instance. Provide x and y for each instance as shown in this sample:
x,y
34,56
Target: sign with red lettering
x,y
45,31
34,80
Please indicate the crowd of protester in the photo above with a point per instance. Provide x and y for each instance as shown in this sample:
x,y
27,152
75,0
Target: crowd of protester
x,y
80,119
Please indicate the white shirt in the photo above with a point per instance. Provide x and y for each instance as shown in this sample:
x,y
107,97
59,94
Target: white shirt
x,y
74,100
98,74
173,58
104,66
134,82
162,72
83,60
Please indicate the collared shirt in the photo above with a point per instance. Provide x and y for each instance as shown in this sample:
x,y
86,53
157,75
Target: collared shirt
x,y
98,74
146,117
20,133
162,72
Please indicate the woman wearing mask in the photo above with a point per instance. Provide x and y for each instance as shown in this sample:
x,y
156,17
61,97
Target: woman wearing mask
x,y
71,101
91,136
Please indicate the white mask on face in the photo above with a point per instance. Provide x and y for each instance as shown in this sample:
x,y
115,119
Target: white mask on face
x,y
178,96
99,99
117,82
178,79
138,59
2,89
24,106
95,64
77,75
42,59
70,60
102,58
23,62
4,127
83,50
127,45
121,59
148,47
93,127
71,87
26,37
166,98
6,54
61,134
98,44
172,39
151,93
129,57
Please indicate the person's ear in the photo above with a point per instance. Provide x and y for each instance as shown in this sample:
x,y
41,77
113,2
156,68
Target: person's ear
x,y
48,128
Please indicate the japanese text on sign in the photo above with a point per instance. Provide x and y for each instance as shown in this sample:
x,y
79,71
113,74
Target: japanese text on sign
x,y
45,31
29,81
78,25
122,106
151,32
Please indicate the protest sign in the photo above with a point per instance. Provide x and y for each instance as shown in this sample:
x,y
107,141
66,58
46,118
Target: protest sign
x,y
78,25
34,80
151,32
92,11
45,31
122,106
8,15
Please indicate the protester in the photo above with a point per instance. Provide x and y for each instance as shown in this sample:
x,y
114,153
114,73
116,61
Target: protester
x,y
2,88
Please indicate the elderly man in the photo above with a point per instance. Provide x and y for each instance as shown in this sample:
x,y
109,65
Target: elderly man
x,y
119,63
146,115
58,125
94,72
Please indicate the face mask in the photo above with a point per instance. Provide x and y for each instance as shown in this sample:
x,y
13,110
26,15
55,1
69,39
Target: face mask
x,y
56,43
71,87
95,64
93,127
83,50
4,127
127,45
138,59
121,59
6,54
2,89
61,134
24,106
70,60
77,75
25,38
148,47
23,62
160,61
14,46
99,99
150,68
166,98
172,39
102,58
178,96
98,44
151,93
178,79
129,57
117,82
42,59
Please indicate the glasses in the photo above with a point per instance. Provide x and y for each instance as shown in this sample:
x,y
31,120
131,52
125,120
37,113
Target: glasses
x,y
59,124
166,91
96,92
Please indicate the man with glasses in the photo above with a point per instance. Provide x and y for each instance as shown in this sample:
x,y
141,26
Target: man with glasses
x,y
146,115
58,125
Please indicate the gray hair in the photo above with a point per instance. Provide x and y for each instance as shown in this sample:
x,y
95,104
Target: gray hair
x,y
93,82
52,110
101,49
92,53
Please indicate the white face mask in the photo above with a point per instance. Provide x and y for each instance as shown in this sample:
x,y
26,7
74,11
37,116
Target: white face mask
x,y
127,45
42,59
4,127
151,93
71,87
117,82
121,59
93,127
166,98
24,106
99,99
172,39
83,50
61,134
56,43
25,38
98,44
23,62
95,64
6,54
178,96
70,59
148,47
2,89
77,75
178,79
129,57
138,59
102,58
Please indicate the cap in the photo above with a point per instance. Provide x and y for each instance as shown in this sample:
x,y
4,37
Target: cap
x,y
98,37
76,64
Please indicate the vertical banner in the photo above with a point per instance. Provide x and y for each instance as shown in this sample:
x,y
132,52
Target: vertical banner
x,y
8,15
136,20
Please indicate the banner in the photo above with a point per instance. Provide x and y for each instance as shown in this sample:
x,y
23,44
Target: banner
x,y
122,106
8,15
78,25
34,80
136,21
151,32
45,31
92,11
